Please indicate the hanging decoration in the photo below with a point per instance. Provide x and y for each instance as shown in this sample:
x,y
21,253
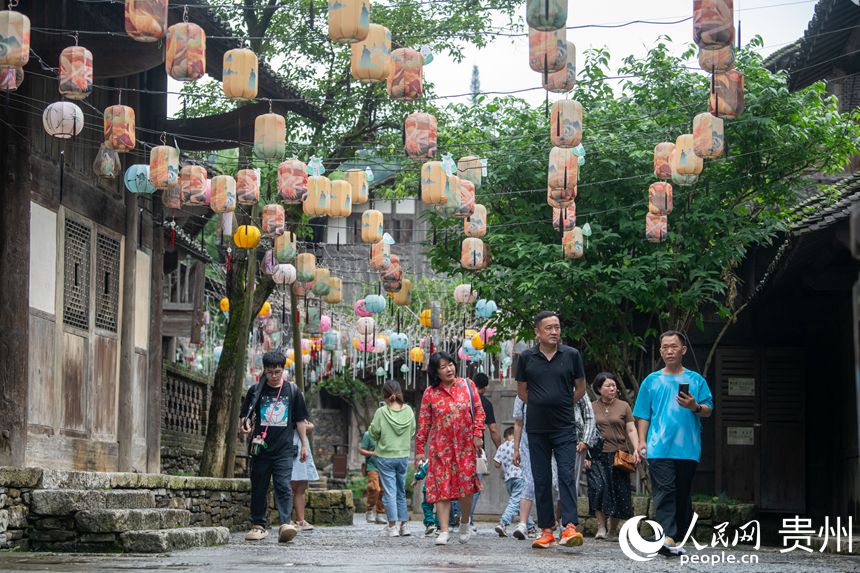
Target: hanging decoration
x,y
14,39
566,123
171,198
472,253
403,297
392,277
727,95
192,185
265,310
76,72
370,60
399,341
119,129
420,135
270,136
405,81
340,204
285,247
239,77
564,219
713,26
486,308
434,183
562,175
107,163
380,256
321,277
318,200
660,198
223,194
547,50
717,61
470,168
465,294
374,303
185,56
662,160
63,120
708,135
164,167
247,237
466,203
305,267
136,179
573,244
684,159
11,78
348,20
284,274
358,184
563,80
146,20
371,226
546,14
360,308
656,228
476,224
248,186
274,220
292,181
417,355
335,291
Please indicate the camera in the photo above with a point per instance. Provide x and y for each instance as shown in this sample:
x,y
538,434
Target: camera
x,y
257,445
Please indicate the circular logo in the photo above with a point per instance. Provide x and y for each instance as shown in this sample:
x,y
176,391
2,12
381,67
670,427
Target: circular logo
x,y
634,545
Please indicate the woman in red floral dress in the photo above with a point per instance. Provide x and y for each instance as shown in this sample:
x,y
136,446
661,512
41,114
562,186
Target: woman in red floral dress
x,y
450,436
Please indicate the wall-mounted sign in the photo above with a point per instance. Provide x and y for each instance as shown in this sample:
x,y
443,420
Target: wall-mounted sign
x,y
741,386
740,436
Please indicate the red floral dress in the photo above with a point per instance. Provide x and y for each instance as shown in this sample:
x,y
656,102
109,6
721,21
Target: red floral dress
x,y
446,429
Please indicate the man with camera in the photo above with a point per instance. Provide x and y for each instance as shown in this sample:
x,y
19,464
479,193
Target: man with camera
x,y
273,409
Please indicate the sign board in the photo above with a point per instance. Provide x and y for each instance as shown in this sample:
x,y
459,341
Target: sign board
x,y
740,436
741,386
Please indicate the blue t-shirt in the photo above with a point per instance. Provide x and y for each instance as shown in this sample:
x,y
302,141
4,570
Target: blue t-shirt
x,y
675,432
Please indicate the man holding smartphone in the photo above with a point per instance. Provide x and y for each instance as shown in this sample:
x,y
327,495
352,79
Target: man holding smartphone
x,y
668,407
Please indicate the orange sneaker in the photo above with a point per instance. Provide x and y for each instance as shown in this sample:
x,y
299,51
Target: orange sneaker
x,y
546,539
570,537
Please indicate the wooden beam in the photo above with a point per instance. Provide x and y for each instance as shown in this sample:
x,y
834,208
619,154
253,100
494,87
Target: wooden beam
x,y
220,131
128,358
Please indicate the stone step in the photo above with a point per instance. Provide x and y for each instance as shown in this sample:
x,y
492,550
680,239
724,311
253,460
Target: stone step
x,y
320,484
68,501
166,540
120,520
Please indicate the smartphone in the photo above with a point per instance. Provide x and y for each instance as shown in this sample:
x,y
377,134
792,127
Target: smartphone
x,y
685,388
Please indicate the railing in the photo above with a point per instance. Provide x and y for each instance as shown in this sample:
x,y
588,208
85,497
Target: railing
x,y
185,406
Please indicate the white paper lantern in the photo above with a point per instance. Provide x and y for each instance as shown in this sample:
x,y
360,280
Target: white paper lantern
x,y
63,119
365,326
284,274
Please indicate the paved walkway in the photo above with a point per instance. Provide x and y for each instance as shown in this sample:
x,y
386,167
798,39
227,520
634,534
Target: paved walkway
x,y
361,548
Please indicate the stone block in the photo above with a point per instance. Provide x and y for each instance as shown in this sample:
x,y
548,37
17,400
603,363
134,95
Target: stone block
x,y
3,499
342,516
129,480
14,534
98,538
704,510
582,506
722,513
176,482
18,516
19,477
60,479
348,498
742,513
52,535
167,540
68,501
117,520
4,520
641,504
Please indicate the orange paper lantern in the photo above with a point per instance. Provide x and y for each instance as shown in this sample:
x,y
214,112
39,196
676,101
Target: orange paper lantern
x,y
15,31
708,135
713,26
563,172
185,57
119,130
564,219
340,204
318,200
434,180
247,187
357,179
164,167
476,224
547,50
380,256
405,81
146,20
239,76
403,297
270,136
192,185
370,61
662,160
371,226
335,291
472,253
684,159
420,134
466,205
566,124
573,244
717,61
660,198
563,80
348,20
727,97
223,194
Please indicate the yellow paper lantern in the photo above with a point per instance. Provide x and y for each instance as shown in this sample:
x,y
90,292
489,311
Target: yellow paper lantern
x,y
371,226
563,172
306,264
417,353
563,80
547,50
247,237
247,187
76,72
289,363
15,31
340,204
476,224
420,133
335,291
222,197
370,61
357,179
471,169
239,77
405,82
727,97
660,198
292,181
348,20
321,277
573,244
119,130
433,183
656,228
318,200
663,159
684,159
472,253
713,24
566,124
224,304
708,135
192,185
425,318
164,166
403,297
185,57
265,310
274,220
477,342
270,136
146,20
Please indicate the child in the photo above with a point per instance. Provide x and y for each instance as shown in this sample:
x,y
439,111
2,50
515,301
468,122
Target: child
x,y
514,482
375,506
431,521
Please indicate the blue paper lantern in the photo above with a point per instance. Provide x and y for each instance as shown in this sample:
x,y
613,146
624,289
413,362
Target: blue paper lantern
x,y
374,303
330,340
486,308
404,368
399,341
136,179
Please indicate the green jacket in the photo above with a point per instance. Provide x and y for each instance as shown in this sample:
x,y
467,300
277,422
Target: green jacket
x,y
393,431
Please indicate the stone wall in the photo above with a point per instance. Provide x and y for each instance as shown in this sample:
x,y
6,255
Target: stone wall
x,y
329,431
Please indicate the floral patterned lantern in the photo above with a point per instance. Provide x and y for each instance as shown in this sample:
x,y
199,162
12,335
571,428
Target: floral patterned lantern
x,y
119,130
466,204
566,123
76,72
563,80
405,81
660,198
11,78
306,264
285,247
547,50
471,169
146,20
374,303
546,14
358,184
472,253
708,135
380,256
107,163
171,198
684,159
365,326
14,39
318,200
136,179
371,226
434,180
348,20
335,291
274,220
164,166
239,76
321,277
662,160
420,134
340,204
476,224
192,185
370,60
185,57
465,294
713,27
563,173
223,194
392,277
564,219
292,181
270,136
451,203
727,96
656,228
63,120
403,297
248,186
717,61
573,244
284,274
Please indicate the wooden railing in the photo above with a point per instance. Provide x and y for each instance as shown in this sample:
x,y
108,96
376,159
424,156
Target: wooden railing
x,y
185,406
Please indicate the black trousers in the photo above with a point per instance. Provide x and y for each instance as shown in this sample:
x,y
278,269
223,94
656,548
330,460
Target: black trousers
x,y
671,486
541,449
278,468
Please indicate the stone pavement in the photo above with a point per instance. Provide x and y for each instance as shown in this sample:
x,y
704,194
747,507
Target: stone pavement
x,y
361,548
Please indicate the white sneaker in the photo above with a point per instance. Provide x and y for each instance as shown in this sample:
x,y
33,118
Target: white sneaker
x,y
442,539
474,528
521,531
370,516
601,533
465,532
390,531
502,529
404,529
381,519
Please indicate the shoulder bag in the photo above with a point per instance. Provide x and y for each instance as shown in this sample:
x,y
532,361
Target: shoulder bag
x,y
624,461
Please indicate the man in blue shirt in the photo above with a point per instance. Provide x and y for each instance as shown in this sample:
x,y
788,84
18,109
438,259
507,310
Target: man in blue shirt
x,y
668,408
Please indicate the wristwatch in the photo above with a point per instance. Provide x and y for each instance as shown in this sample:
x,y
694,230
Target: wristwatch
x,y
643,451
698,409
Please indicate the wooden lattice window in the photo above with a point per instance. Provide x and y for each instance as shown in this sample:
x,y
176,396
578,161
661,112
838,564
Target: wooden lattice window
x,y
107,282
76,276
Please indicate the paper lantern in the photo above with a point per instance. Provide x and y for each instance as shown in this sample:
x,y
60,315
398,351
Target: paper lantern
x,y
399,341
318,200
365,326
357,180
547,50
248,186
321,286
227,223
467,199
270,136
119,130
284,274
300,288
660,198
727,96
663,159
11,78
274,220
146,20
717,61
708,135
348,20
392,277
107,163
223,194
330,340
470,168
713,26
566,124
360,309
424,317
370,59
14,39
340,204
192,185
265,310
564,219
434,180
239,76
656,228
269,263
486,308
417,355
420,134
405,80
164,166
465,294
185,56
285,247
452,197
371,226
477,342
573,244
247,237
292,181
306,264
476,224
374,303
472,253
560,198
171,198
563,80
403,297
683,180
76,72
380,256
546,14
63,120
563,173
136,179
684,159
335,291
224,304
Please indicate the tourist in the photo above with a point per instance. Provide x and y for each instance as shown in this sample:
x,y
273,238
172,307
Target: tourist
x,y
273,410
450,426
514,483
522,460
608,486
303,473
373,491
393,427
551,379
668,408
481,381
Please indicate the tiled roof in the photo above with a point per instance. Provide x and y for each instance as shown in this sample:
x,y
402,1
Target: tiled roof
x,y
824,43
827,207
783,58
